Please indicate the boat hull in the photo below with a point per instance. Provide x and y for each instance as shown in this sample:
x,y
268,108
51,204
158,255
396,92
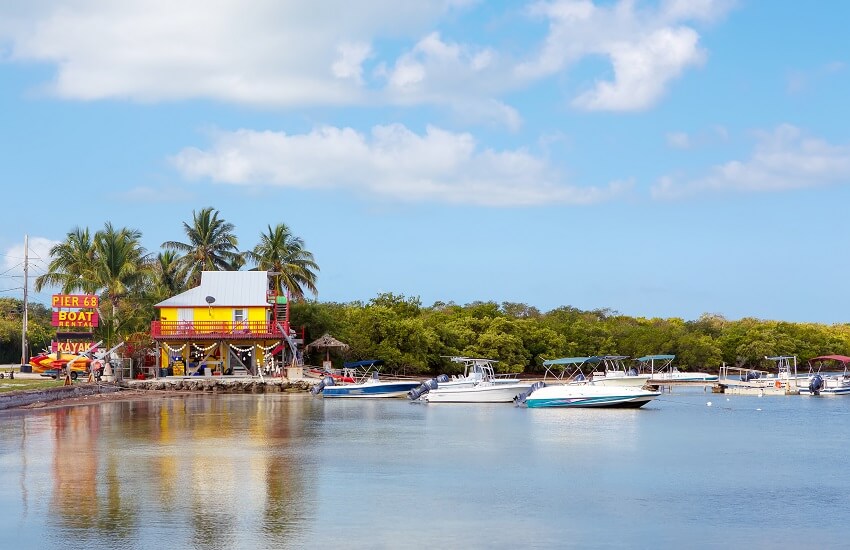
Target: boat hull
x,y
589,396
492,393
382,389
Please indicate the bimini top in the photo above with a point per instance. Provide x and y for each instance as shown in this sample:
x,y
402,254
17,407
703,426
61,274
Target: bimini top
x,y
655,357
364,363
601,358
839,358
566,361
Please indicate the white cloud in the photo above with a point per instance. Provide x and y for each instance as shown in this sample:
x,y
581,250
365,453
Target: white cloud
x,y
292,54
349,64
647,48
392,162
783,159
260,52
643,69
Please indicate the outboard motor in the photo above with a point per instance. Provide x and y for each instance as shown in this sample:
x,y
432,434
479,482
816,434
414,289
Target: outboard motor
x,y
326,381
816,384
443,378
520,399
632,372
751,375
422,389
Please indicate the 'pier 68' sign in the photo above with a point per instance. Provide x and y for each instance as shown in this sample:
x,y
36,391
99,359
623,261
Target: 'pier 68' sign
x,y
72,318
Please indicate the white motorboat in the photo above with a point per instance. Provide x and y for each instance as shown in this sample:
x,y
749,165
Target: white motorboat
x,y
823,378
611,370
577,390
484,387
757,382
660,368
474,371
367,383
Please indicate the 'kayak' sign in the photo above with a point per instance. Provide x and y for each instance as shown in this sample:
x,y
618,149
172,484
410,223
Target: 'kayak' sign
x,y
75,319
75,348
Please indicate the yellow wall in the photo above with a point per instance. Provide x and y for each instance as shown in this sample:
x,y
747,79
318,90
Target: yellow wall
x,y
213,313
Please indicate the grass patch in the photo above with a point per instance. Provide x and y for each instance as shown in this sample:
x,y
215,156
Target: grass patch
x,y
27,384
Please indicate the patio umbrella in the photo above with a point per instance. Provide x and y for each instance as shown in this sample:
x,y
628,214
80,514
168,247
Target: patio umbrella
x,y
327,342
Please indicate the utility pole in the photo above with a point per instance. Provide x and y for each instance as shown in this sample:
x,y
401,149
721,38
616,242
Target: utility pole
x,y
24,319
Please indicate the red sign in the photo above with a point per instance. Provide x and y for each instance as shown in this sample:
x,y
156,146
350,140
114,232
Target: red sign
x,y
75,319
75,300
71,347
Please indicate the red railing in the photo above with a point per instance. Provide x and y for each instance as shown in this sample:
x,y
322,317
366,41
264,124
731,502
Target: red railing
x,y
224,329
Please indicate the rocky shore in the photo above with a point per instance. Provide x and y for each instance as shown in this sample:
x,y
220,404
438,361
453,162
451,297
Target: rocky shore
x,y
218,385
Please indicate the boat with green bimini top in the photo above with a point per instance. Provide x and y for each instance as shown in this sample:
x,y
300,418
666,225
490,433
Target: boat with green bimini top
x,y
566,385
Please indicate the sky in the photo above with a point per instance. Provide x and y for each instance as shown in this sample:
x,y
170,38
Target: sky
x,y
663,158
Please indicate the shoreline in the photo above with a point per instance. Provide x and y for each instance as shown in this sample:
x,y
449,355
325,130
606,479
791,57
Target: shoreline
x,y
132,390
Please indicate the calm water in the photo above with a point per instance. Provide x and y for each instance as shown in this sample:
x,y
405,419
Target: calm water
x,y
294,471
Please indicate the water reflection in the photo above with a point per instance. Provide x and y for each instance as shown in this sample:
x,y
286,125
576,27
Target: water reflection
x,y
291,472
211,470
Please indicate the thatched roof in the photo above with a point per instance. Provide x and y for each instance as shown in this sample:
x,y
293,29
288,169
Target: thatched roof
x,y
327,341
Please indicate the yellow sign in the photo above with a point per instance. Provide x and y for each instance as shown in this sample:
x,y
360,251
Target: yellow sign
x,y
178,368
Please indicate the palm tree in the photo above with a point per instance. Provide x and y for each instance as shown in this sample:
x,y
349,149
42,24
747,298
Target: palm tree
x,y
211,247
119,266
71,264
111,264
167,277
283,253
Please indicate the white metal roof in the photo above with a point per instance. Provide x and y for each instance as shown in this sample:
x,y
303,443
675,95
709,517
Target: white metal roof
x,y
229,288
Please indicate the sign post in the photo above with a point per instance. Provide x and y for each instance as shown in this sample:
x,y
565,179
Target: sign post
x,y
73,311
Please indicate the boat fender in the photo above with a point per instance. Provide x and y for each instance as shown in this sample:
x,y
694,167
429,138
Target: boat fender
x,y
816,384
777,385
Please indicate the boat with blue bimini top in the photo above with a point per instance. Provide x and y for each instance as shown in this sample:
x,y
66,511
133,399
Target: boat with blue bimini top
x,y
368,383
485,386
660,369
824,378
565,385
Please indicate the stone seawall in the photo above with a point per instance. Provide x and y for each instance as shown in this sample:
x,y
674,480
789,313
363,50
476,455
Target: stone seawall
x,y
215,385
23,398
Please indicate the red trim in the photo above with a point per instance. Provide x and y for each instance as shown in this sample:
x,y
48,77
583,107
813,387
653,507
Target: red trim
x,y
215,329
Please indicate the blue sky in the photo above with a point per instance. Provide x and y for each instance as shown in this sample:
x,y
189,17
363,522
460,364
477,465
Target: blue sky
x,y
666,158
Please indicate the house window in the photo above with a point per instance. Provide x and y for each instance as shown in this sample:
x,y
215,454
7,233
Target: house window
x,y
185,319
240,319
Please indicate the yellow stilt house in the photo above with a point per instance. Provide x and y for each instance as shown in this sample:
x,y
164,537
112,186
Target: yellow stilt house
x,y
230,324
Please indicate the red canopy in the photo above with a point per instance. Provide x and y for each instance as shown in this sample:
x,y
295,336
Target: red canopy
x,y
839,358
